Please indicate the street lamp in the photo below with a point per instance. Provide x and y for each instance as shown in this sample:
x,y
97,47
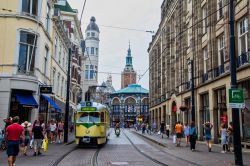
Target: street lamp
x,y
191,63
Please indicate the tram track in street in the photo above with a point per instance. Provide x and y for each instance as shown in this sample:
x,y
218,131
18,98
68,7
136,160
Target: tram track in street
x,y
91,157
159,147
144,154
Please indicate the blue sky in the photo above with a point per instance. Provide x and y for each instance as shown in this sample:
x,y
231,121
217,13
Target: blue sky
x,y
133,14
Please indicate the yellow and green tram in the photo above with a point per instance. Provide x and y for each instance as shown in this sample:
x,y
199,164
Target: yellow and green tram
x,y
92,122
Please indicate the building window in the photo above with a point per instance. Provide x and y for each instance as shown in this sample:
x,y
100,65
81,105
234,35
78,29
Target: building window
x,y
48,18
60,53
92,34
58,83
54,78
62,87
205,57
55,50
88,34
96,51
96,71
63,59
92,51
91,72
87,50
204,18
30,7
221,50
27,51
46,56
243,30
87,72
220,9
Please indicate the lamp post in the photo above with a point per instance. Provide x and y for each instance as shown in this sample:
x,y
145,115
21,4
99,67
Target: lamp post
x,y
235,111
66,117
191,63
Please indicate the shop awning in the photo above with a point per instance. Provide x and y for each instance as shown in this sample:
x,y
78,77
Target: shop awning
x,y
52,103
26,100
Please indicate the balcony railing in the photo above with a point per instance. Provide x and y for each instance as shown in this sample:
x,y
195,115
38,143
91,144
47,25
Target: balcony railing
x,y
242,59
204,77
219,70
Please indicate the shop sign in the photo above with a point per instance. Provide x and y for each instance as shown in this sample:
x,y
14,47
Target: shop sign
x,y
236,98
46,89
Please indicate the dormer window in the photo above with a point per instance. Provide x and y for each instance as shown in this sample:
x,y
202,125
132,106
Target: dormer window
x,y
92,34
88,34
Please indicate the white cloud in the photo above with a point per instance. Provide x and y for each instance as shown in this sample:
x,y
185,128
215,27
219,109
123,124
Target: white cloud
x,y
134,14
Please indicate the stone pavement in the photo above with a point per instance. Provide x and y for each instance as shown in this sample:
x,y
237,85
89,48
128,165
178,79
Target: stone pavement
x,y
54,152
200,156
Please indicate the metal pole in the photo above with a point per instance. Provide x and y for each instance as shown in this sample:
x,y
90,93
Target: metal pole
x,y
235,111
66,117
192,89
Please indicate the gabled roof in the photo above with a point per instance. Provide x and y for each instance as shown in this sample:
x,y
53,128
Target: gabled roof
x,y
66,8
132,88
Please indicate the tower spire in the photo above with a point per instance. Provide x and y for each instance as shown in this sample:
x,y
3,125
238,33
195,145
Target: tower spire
x,y
129,63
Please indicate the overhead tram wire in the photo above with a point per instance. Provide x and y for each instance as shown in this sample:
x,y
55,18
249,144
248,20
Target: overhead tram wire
x,y
198,22
106,26
83,7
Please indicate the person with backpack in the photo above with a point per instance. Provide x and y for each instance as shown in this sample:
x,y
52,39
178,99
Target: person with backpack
x,y
193,136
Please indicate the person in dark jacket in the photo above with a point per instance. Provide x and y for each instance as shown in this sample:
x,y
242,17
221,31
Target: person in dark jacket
x,y
193,136
38,138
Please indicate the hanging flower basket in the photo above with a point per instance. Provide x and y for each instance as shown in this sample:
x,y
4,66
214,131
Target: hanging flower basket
x,y
183,108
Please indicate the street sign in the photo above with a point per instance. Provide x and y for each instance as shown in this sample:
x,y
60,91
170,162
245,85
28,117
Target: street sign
x,y
236,98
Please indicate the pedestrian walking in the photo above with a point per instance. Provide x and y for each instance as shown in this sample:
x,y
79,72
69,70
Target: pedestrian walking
x,y
224,135
28,136
193,136
149,129
178,131
13,134
53,133
167,130
208,136
162,128
60,130
230,136
154,127
143,126
186,133
38,138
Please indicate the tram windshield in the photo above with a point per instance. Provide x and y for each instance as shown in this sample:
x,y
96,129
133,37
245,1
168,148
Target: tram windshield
x,y
89,117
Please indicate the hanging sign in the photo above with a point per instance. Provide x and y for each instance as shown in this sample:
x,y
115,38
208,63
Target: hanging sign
x,y
46,89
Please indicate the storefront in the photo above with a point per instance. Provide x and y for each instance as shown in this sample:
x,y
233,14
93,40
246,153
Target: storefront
x,y
48,109
22,104
220,112
245,112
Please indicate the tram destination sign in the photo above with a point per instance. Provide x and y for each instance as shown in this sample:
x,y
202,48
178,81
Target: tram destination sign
x,y
236,98
88,109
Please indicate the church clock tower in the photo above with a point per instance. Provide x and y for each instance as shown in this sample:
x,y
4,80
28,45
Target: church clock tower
x,y
128,75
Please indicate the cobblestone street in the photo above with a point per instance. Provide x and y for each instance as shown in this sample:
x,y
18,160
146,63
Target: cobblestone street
x,y
141,151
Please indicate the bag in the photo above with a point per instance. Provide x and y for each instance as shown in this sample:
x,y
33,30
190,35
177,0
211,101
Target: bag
x,y
174,139
45,144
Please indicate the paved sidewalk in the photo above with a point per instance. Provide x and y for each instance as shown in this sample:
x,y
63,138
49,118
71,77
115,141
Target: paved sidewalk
x,y
54,152
201,155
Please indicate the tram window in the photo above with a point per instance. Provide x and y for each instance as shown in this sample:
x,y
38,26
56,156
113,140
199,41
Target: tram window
x,y
94,117
83,118
102,116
